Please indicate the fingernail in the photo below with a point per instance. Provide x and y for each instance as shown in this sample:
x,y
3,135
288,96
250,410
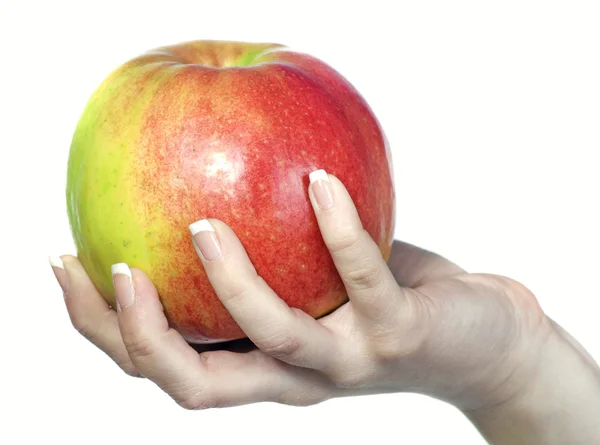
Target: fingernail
x,y
322,188
206,240
123,285
60,273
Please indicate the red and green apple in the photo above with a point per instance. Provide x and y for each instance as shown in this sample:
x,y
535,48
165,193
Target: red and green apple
x,y
226,130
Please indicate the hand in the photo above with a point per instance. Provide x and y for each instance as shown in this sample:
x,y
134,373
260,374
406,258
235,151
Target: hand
x,y
421,325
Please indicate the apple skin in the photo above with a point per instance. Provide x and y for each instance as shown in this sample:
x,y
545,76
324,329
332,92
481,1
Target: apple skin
x,y
226,130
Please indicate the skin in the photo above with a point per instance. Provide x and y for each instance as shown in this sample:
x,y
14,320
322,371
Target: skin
x,y
230,129
420,324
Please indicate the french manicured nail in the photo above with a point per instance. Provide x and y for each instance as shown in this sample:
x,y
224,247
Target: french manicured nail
x,y
60,273
322,188
123,285
206,240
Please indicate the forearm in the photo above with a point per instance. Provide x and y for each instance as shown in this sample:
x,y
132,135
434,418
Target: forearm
x,y
561,406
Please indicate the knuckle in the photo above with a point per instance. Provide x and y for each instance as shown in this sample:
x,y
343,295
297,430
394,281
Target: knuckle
x,y
389,350
233,294
239,290
139,348
364,277
349,379
345,242
211,362
410,335
129,369
90,326
282,346
510,288
513,288
197,402
84,326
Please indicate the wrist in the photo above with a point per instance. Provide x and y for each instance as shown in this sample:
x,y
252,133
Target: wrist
x,y
559,404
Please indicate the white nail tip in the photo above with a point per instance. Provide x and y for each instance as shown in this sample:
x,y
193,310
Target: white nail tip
x,y
318,175
120,268
55,261
201,226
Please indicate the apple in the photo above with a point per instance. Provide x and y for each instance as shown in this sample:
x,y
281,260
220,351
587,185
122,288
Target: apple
x,y
226,130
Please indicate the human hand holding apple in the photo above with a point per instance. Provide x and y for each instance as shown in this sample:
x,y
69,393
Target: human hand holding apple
x,y
418,323
227,129
480,342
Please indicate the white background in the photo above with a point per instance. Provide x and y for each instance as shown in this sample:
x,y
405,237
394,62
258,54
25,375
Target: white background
x,y
492,110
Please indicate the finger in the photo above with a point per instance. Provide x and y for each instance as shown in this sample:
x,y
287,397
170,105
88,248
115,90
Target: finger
x,y
233,379
157,351
195,381
90,314
371,287
413,267
282,332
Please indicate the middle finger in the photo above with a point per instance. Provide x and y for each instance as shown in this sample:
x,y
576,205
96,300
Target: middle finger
x,y
287,334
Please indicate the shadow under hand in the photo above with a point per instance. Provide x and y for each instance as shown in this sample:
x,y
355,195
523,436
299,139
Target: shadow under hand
x,y
241,345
